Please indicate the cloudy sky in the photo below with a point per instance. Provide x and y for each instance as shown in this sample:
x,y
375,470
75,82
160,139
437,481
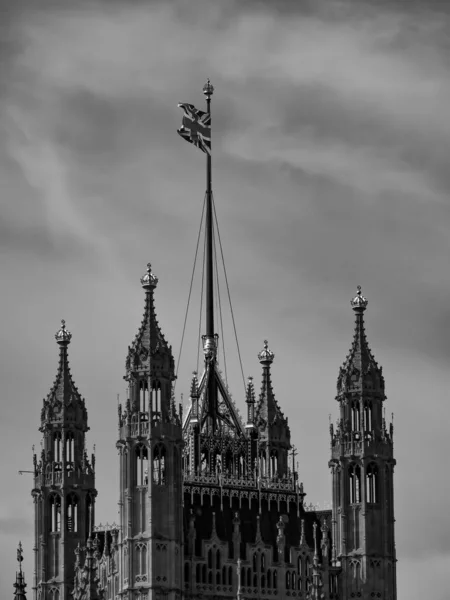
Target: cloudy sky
x,y
331,137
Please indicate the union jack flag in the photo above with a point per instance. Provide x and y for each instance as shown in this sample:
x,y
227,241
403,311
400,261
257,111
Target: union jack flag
x,y
196,127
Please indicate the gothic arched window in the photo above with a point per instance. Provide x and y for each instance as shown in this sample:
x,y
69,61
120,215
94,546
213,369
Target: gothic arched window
x,y
141,465
55,510
159,464
372,483
288,580
143,399
72,513
354,472
57,446
70,446
273,463
156,401
356,416
368,416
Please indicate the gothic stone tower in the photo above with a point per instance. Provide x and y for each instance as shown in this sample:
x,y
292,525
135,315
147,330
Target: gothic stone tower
x,y
64,484
362,466
150,447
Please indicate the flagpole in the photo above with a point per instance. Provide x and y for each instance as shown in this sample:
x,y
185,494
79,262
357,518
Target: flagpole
x,y
208,91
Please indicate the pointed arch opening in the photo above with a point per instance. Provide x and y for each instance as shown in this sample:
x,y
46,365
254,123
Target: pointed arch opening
x,y
70,451
141,454
159,464
354,473
368,416
356,416
57,449
72,513
156,401
143,399
55,512
372,483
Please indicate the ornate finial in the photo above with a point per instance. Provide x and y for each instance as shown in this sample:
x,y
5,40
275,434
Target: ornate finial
x,y
20,555
149,280
63,336
266,356
208,89
359,303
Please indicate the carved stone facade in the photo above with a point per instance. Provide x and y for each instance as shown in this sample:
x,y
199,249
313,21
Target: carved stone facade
x,y
211,506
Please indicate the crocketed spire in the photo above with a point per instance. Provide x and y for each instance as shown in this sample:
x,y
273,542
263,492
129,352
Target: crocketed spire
x,y
360,371
20,585
149,341
267,410
64,402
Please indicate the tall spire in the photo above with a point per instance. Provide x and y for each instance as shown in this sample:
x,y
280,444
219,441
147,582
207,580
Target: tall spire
x,y
20,585
360,370
64,400
267,409
149,341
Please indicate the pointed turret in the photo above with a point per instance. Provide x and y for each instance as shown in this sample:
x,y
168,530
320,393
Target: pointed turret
x,y
64,481
360,371
150,449
64,403
362,466
267,410
150,354
20,585
273,429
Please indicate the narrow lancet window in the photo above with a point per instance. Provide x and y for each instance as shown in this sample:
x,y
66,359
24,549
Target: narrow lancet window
x,y
57,446
72,513
55,509
159,464
141,465
356,416
372,483
354,472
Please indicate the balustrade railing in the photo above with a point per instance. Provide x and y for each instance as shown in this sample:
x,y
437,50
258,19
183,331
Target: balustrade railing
x,y
272,483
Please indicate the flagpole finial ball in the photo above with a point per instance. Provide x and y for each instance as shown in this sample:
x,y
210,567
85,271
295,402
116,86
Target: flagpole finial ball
x,y
208,89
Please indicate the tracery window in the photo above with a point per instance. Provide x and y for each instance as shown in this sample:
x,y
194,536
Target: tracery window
x,y
72,513
141,453
354,472
372,483
141,548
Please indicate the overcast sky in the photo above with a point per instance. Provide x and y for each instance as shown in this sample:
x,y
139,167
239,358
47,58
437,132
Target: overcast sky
x,y
331,145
